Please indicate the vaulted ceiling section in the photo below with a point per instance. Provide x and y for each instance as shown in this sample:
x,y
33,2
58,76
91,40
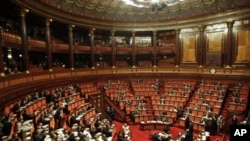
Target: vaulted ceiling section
x,y
116,14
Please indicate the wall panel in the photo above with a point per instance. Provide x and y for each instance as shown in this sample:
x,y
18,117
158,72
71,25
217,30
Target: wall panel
x,y
189,48
215,42
243,45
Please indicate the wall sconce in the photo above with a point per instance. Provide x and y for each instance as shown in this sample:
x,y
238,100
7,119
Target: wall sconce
x,y
9,54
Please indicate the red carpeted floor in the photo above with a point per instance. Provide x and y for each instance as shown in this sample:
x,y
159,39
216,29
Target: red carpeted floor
x,y
138,135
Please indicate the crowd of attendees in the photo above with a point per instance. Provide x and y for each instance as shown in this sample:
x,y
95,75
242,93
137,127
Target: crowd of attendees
x,y
80,129
74,129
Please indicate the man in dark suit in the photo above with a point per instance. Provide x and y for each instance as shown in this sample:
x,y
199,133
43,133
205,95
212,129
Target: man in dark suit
x,y
78,89
72,120
187,122
59,117
188,136
180,112
26,116
213,125
191,127
16,107
38,136
234,120
7,125
110,112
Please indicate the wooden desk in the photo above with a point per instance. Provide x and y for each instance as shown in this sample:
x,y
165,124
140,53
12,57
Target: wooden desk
x,y
153,125
197,126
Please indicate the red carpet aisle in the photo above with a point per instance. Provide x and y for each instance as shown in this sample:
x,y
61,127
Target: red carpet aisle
x,y
138,135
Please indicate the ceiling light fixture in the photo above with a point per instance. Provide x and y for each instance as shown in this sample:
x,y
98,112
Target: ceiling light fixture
x,y
153,4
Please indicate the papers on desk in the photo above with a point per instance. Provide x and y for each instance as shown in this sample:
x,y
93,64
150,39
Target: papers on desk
x,y
53,112
109,139
207,134
182,118
59,131
45,126
27,122
203,138
243,122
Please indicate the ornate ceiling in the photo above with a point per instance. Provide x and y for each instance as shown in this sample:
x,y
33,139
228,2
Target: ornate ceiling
x,y
117,14
118,10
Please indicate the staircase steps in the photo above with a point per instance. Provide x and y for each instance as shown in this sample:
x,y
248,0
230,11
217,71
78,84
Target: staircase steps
x,y
226,104
149,106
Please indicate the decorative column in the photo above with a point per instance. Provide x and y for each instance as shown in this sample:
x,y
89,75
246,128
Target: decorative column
x,y
71,47
228,47
92,47
154,49
48,44
133,50
24,40
113,47
201,49
2,72
177,47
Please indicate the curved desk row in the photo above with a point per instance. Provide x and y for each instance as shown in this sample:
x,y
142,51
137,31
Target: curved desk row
x,y
153,125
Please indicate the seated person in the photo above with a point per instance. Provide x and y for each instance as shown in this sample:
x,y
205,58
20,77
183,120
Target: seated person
x,y
166,129
135,113
44,119
180,112
235,94
209,108
164,113
220,98
241,101
158,118
189,111
128,103
26,115
182,93
141,106
201,96
165,119
170,93
203,120
175,109
202,82
162,136
162,101
205,102
196,106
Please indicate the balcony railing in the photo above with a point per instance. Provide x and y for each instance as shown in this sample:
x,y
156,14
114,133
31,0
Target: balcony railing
x,y
21,78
